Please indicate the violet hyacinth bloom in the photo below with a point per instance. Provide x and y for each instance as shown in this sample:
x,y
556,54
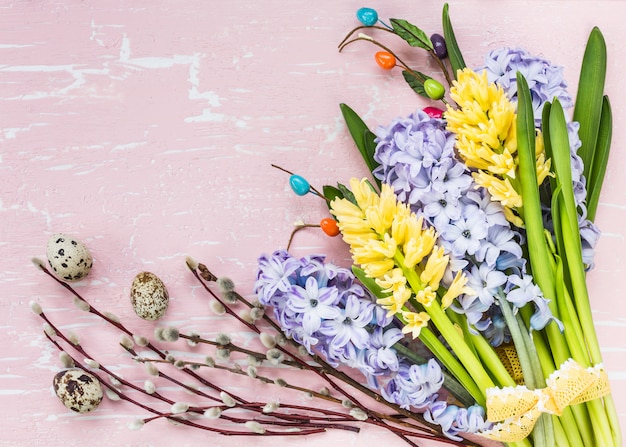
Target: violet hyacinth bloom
x,y
322,307
454,420
414,386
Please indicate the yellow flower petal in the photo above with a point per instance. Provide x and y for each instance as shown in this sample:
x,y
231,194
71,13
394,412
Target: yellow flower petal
x,y
415,321
435,268
456,289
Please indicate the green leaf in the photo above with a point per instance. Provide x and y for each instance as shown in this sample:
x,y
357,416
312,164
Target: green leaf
x,y
412,34
331,193
589,97
416,81
347,194
600,159
369,283
536,242
454,53
362,136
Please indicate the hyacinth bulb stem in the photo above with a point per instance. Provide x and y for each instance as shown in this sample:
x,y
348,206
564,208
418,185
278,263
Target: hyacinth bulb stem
x,y
573,258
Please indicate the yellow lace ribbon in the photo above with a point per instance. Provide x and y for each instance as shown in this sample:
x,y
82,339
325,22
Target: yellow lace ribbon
x,y
519,408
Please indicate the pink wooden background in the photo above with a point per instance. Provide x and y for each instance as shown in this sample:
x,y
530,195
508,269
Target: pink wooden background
x,y
147,129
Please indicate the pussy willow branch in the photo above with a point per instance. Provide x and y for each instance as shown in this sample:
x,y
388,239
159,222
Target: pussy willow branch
x,y
173,416
291,420
118,325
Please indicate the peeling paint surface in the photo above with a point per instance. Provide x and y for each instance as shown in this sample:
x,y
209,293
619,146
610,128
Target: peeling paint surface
x,y
146,129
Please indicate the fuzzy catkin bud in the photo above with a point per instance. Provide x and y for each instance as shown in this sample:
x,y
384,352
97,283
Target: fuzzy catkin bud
x,y
256,313
81,304
213,413
92,363
281,340
66,360
137,424
179,364
158,333
49,330
170,358
151,369
149,387
179,407
171,334
231,297
210,362
251,371
280,382
274,356
38,263
254,361
228,401
112,395
193,340
73,338
222,339
111,316
245,316
254,427
225,284
267,340
346,403
216,307
114,381
325,391
222,354
141,340
36,307
302,351
126,342
271,407
358,414
191,263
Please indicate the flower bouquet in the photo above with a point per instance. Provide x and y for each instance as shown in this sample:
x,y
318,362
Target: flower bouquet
x,y
465,314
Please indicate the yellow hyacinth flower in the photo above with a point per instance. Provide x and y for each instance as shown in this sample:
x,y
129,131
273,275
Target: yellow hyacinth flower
x,y
435,268
394,247
415,321
500,190
426,296
456,289
485,128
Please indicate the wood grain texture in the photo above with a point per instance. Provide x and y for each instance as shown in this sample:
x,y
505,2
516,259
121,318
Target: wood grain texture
x,y
146,129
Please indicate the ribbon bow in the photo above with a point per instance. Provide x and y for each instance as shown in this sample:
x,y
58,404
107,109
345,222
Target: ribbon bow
x,y
519,408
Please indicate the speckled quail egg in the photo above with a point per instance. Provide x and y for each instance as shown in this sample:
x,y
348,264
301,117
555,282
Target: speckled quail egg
x,y
69,258
148,296
78,390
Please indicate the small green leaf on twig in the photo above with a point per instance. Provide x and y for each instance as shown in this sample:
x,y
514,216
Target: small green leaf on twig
x,y
411,34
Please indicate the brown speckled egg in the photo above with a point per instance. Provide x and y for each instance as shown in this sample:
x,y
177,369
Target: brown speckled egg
x,y
69,258
78,390
148,296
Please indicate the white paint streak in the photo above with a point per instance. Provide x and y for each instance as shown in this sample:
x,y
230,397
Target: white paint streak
x,y
60,167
